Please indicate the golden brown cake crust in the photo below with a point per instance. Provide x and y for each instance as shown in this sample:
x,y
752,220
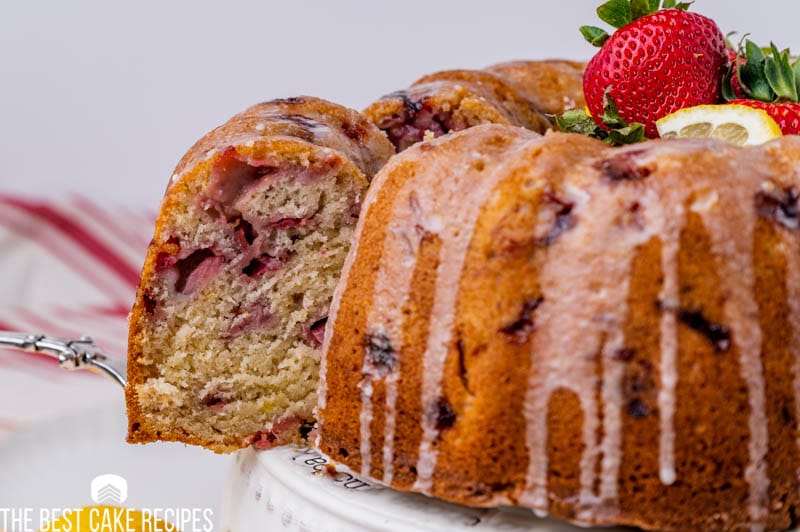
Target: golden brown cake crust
x,y
350,132
453,100
552,86
618,346
306,133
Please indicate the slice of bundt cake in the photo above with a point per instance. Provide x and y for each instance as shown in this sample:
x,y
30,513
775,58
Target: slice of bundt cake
x,y
517,93
610,335
231,309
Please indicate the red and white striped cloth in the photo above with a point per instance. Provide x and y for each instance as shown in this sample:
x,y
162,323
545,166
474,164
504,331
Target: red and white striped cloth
x,y
67,268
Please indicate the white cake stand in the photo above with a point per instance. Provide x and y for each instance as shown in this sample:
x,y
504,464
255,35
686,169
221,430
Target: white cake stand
x,y
290,489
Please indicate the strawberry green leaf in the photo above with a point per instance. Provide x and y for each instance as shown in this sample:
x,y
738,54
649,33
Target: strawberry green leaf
x,y
627,135
577,121
619,130
752,76
765,74
780,75
668,4
796,70
617,13
610,116
753,52
727,85
642,8
594,35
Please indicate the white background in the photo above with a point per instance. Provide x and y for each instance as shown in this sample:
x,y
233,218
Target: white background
x,y
103,97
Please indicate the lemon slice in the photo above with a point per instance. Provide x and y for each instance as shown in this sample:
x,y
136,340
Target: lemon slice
x,y
738,124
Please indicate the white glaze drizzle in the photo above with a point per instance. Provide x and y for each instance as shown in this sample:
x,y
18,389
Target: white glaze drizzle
x,y
613,371
460,204
392,307
391,425
732,245
564,283
592,289
389,297
365,419
668,341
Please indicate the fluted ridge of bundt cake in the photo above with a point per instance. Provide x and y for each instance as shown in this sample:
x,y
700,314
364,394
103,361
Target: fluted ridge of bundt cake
x,y
552,86
610,335
518,93
232,305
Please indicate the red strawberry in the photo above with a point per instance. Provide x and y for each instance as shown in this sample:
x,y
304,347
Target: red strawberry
x,y
786,114
655,65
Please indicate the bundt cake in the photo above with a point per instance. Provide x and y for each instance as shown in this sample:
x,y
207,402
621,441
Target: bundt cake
x,y
518,93
608,335
230,313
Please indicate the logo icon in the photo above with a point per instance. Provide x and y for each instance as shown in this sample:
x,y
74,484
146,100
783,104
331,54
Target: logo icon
x,y
109,489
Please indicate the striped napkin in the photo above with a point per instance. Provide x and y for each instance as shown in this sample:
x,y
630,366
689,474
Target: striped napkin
x,y
67,268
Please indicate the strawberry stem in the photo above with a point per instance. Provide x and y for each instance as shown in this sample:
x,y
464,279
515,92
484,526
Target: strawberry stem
x,y
766,74
619,13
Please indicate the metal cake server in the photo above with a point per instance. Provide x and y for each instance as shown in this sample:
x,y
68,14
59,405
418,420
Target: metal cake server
x,y
71,354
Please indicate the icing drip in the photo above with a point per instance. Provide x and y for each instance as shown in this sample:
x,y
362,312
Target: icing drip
x,y
391,289
584,282
365,418
461,210
593,292
391,425
390,293
670,301
732,244
453,253
664,217
592,289
613,371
